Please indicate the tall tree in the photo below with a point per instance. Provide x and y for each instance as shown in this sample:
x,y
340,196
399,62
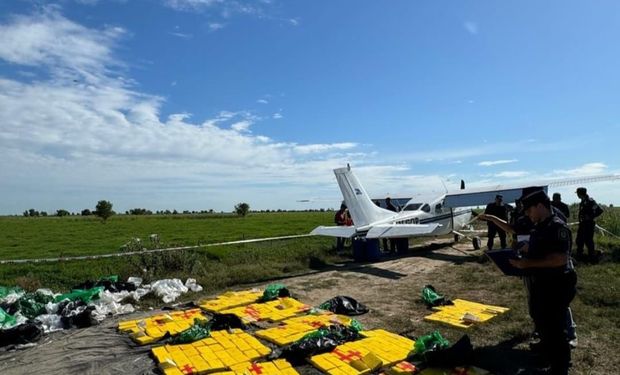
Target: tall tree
x,y
242,209
104,210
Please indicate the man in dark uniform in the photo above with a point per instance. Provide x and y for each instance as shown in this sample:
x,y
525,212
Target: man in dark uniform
x,y
563,207
497,209
552,278
588,211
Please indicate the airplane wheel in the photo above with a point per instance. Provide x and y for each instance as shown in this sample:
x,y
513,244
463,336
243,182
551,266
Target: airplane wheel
x,y
457,238
477,242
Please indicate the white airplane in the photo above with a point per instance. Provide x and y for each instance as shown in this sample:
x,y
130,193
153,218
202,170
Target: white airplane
x,y
446,214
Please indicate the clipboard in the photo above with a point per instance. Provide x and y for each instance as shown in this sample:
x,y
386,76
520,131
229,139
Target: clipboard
x,y
501,259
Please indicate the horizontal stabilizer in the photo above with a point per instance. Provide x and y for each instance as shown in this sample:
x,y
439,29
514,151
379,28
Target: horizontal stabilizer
x,y
401,230
333,231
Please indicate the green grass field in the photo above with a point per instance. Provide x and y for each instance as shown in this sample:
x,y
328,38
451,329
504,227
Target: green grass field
x,y
596,307
39,237
214,267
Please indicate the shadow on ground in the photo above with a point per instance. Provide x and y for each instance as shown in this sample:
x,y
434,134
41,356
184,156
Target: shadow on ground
x,y
504,359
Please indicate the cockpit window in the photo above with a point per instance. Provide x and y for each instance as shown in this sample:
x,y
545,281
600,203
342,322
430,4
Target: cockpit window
x,y
426,208
412,207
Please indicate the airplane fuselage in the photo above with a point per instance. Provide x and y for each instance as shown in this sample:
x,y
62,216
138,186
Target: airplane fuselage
x,y
428,213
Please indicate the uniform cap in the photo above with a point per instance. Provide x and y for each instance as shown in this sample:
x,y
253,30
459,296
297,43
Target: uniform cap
x,y
581,190
531,198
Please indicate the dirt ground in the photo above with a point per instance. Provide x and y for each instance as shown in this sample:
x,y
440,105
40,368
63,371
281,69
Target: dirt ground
x,y
387,288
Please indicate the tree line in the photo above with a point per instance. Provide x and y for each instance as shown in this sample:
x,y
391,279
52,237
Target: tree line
x,y
104,211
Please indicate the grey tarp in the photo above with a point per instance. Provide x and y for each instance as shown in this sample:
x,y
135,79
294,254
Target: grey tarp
x,y
95,350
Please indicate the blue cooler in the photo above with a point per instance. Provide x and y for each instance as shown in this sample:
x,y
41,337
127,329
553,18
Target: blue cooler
x,y
373,252
359,249
402,245
366,249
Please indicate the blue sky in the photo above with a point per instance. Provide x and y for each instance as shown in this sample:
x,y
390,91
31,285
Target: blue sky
x,y
198,104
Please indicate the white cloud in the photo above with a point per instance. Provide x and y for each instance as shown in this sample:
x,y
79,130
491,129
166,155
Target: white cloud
x,y
181,35
512,174
262,101
471,27
191,5
277,116
214,26
319,148
51,40
241,126
69,141
221,8
583,170
488,148
496,162
294,21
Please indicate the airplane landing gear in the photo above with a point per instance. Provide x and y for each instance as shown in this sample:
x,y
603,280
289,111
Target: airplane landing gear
x,y
477,242
457,238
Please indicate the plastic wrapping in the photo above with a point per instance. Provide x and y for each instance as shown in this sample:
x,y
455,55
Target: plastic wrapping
x,y
6,320
344,305
192,285
199,330
21,334
274,291
9,296
168,289
459,354
137,281
110,304
226,321
432,298
80,295
322,340
76,314
50,322
32,305
431,342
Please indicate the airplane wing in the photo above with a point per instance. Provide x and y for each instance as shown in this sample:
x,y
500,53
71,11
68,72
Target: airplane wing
x,y
401,230
334,231
482,196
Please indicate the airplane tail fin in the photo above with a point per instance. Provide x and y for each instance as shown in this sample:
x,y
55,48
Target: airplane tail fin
x,y
363,210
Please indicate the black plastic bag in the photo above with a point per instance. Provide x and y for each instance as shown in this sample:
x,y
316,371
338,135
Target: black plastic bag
x,y
344,305
320,341
459,354
109,285
76,314
21,334
435,352
226,321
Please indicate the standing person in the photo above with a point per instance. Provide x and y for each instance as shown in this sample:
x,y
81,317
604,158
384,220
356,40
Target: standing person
x,y
389,205
557,203
497,209
520,226
588,211
552,278
392,247
340,219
